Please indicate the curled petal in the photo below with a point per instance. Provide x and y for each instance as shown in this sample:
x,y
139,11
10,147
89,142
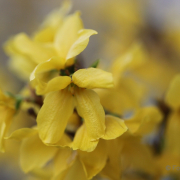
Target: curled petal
x,y
81,43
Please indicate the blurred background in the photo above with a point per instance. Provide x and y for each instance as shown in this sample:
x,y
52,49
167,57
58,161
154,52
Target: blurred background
x,y
119,23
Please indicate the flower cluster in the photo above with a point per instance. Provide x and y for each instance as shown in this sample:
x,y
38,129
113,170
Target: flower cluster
x,y
76,122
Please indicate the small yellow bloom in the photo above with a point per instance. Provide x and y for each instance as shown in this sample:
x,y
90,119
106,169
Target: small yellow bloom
x,y
63,94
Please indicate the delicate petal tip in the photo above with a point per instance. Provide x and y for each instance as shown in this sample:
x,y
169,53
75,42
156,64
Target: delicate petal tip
x,y
87,31
80,43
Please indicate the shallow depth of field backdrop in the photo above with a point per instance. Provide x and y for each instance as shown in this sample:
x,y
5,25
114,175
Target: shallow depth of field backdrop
x,y
119,23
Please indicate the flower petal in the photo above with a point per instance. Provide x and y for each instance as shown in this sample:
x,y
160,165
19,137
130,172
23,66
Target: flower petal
x,y
94,161
35,154
22,133
51,64
5,121
55,84
144,121
53,116
68,34
115,127
81,43
91,110
22,44
75,172
173,96
82,141
64,159
92,78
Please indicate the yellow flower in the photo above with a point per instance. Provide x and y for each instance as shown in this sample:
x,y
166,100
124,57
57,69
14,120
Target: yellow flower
x,y
63,94
144,121
7,110
34,155
61,37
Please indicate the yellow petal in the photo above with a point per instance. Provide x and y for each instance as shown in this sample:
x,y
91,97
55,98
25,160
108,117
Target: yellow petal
x,y
54,114
51,64
144,121
37,52
113,168
173,96
68,34
34,154
55,84
172,145
91,110
82,141
75,172
22,133
132,59
80,44
5,121
64,141
94,161
92,78
64,159
115,127
52,22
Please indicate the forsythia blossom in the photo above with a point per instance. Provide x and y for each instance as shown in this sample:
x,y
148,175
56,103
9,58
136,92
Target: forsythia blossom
x,y
78,122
